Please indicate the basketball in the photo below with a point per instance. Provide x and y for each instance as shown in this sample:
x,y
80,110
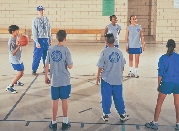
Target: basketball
x,y
23,40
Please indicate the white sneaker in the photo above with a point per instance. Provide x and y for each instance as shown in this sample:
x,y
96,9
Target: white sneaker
x,y
124,117
136,75
11,89
130,74
105,118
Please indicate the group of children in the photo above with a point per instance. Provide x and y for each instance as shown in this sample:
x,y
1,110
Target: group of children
x,y
110,68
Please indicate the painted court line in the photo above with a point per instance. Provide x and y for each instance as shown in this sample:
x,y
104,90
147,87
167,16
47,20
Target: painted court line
x,y
9,113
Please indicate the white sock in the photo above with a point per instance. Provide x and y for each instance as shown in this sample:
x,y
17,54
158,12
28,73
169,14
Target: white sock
x,y
11,85
65,119
154,122
131,69
136,70
53,122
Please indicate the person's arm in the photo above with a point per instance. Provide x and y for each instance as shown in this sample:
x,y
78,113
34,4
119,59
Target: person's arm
x,y
159,81
35,33
69,59
98,76
49,33
161,70
15,51
105,31
126,38
119,31
47,80
142,39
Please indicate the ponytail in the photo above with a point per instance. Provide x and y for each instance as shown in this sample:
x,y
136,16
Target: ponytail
x,y
170,45
170,50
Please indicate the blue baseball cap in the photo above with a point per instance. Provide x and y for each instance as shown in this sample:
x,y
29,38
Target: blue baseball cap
x,y
40,8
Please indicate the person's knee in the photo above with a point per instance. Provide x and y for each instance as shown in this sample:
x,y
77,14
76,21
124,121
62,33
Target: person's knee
x,y
176,103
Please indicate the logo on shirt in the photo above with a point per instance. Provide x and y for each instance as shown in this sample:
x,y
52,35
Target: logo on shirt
x,y
114,57
117,29
56,56
138,30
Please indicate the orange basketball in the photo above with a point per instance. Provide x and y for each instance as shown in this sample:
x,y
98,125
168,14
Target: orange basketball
x,y
23,40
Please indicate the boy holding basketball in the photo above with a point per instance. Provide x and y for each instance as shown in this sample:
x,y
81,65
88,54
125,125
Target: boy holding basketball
x,y
15,51
41,31
111,65
59,59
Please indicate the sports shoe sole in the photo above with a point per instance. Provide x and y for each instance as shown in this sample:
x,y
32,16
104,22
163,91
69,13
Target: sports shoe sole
x,y
106,120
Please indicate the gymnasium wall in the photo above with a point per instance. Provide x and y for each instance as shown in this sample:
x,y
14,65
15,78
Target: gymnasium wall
x,y
87,14
68,14
167,25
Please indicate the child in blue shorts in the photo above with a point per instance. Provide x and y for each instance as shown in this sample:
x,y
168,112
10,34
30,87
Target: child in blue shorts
x,y
110,67
59,59
15,51
168,82
133,39
113,28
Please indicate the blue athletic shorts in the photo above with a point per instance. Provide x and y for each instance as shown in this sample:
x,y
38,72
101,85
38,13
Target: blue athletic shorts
x,y
62,92
135,50
18,67
169,87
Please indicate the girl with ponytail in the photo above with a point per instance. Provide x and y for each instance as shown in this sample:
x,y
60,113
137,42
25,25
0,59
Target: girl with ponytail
x,y
168,82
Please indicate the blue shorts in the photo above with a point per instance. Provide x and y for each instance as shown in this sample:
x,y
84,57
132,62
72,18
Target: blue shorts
x,y
62,92
135,50
18,67
169,87
117,46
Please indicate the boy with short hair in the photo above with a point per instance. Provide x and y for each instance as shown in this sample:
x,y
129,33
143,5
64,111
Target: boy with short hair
x,y
59,58
111,64
15,51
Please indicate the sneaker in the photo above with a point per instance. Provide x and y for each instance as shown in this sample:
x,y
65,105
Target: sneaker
x,y
177,127
105,118
130,74
152,125
11,89
136,76
53,126
34,73
66,126
124,117
19,83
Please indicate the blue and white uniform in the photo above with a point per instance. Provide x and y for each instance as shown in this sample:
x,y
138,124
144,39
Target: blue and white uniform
x,y
168,69
112,62
15,60
114,29
134,40
59,58
41,31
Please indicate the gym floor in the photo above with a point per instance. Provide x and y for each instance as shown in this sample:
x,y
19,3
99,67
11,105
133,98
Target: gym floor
x,y
30,108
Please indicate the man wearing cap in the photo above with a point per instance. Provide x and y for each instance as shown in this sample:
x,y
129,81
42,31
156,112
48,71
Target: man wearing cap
x,y
41,31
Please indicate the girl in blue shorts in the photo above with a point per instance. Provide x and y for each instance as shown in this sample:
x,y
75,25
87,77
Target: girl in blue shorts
x,y
133,39
168,82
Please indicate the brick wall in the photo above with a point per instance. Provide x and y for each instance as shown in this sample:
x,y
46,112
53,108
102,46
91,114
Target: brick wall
x,y
154,18
142,9
167,25
69,14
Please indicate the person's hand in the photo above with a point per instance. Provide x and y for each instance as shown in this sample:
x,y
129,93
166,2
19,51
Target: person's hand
x,y
47,81
97,80
38,45
50,42
127,49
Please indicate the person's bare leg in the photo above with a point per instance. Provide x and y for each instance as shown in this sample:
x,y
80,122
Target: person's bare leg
x,y
137,60
176,103
54,109
160,100
65,107
17,77
130,60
